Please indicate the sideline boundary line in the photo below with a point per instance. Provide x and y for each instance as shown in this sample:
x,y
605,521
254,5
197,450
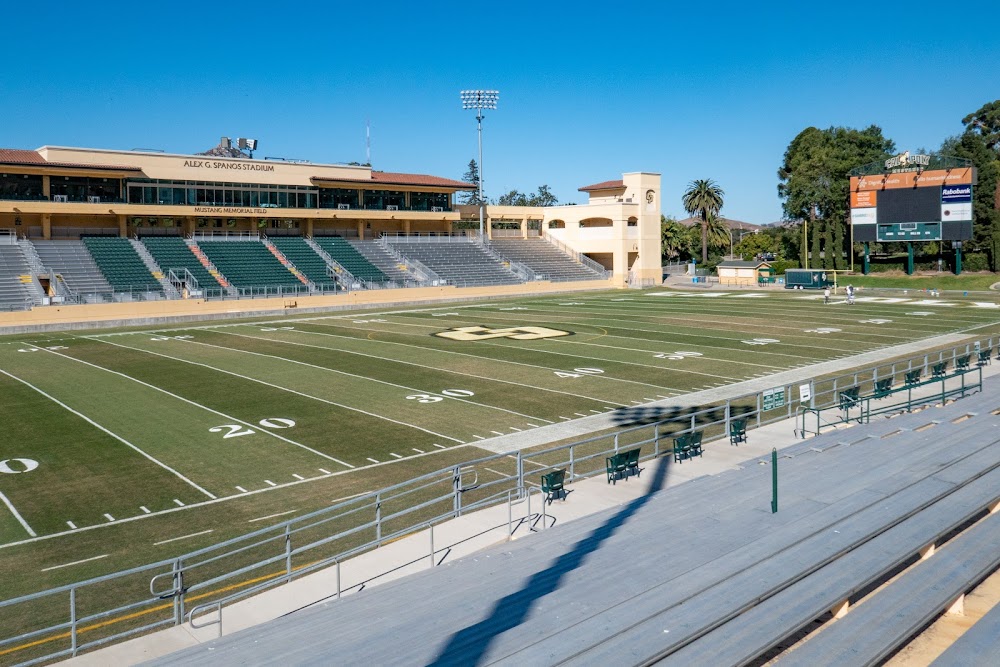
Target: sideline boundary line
x,y
113,435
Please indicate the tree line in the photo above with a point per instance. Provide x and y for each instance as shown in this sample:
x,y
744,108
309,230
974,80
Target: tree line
x,y
814,187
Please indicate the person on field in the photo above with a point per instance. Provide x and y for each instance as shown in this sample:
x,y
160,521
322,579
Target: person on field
x,y
826,295
850,295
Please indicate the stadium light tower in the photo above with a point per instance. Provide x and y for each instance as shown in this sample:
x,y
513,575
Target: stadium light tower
x,y
479,100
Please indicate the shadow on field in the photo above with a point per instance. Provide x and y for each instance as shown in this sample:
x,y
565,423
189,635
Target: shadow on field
x,y
642,415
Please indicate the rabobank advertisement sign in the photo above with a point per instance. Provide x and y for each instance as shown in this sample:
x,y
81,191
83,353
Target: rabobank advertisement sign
x,y
956,193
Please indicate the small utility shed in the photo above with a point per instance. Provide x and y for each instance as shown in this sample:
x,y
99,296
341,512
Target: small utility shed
x,y
739,272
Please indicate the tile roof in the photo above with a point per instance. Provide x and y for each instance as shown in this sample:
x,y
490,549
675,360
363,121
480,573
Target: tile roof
x,y
391,178
32,158
605,185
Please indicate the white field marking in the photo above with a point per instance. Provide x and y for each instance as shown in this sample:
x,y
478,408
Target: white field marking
x,y
241,489
579,414
534,463
269,482
297,476
76,562
178,503
325,471
104,430
71,525
608,407
395,455
418,451
434,350
648,399
440,446
497,432
534,425
170,510
203,407
372,460
495,472
353,495
480,437
396,361
271,516
637,402
144,509
514,428
596,412
573,316
109,517
291,391
17,515
183,537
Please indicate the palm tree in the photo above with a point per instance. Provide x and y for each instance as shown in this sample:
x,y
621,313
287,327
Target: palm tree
x,y
718,233
703,198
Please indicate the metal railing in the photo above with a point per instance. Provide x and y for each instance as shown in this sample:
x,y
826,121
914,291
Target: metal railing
x,y
325,538
578,256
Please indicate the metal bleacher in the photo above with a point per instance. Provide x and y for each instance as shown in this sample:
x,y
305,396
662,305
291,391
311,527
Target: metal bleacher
x,y
459,261
546,260
121,265
14,291
171,252
305,259
359,264
701,573
248,264
79,271
979,645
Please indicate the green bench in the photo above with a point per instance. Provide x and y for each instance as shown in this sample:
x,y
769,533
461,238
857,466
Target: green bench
x,y
913,377
849,397
553,485
737,430
962,364
882,388
984,357
623,463
939,370
687,445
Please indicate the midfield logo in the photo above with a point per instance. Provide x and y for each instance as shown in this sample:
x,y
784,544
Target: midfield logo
x,y
515,333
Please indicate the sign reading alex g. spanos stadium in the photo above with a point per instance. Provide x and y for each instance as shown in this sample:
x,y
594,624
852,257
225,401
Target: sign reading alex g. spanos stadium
x,y
219,164
474,333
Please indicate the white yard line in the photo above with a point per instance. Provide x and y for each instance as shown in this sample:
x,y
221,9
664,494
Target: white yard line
x,y
196,404
76,562
272,516
17,515
447,352
183,537
113,435
351,375
291,391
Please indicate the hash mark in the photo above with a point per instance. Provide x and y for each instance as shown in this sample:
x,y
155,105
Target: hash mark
x,y
241,489
439,446
71,525
418,451
297,476
109,517
325,471
179,503
372,460
144,509
395,454
269,482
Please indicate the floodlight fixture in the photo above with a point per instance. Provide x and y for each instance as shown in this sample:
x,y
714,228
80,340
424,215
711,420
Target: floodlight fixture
x,y
479,100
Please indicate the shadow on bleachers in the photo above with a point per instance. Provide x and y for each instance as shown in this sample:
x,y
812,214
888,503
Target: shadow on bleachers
x,y
469,645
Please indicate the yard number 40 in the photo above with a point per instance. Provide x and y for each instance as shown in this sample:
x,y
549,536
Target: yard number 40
x,y
579,372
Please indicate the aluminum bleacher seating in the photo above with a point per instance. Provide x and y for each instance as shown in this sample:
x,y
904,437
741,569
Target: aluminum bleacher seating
x,y
980,645
171,252
13,267
297,251
699,573
548,261
460,263
351,259
248,264
72,259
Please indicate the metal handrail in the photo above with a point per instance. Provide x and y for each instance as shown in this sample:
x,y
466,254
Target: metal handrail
x,y
582,459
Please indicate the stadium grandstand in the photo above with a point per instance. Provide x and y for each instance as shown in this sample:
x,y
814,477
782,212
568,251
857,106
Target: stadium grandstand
x,y
94,226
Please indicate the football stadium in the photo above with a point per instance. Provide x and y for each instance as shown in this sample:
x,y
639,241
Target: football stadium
x,y
275,412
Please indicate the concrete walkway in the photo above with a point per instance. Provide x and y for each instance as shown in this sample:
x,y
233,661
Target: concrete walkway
x,y
467,535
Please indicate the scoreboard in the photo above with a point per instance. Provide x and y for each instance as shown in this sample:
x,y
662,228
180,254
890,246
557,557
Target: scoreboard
x,y
913,204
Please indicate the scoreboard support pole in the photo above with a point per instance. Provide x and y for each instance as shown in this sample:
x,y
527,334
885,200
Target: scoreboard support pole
x,y
958,261
909,258
865,267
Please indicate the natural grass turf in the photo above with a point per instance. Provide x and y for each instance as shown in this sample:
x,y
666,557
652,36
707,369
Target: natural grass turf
x,y
979,282
345,381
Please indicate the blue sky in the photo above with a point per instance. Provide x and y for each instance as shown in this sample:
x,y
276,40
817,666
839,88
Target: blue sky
x,y
692,90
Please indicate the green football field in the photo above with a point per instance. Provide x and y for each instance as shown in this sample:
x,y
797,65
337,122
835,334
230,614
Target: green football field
x,y
124,447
